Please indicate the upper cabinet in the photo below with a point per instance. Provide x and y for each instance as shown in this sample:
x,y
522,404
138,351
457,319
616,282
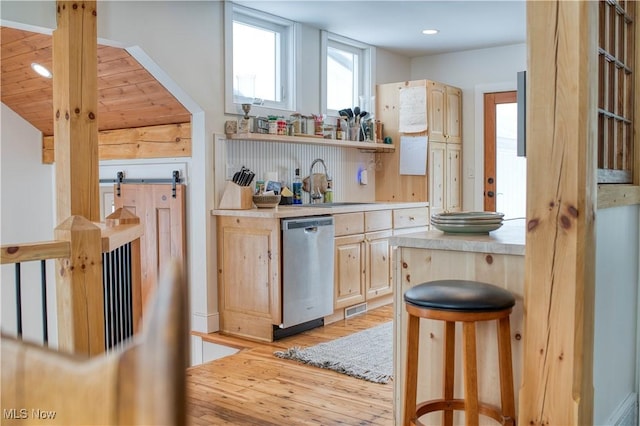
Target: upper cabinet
x,y
433,110
444,112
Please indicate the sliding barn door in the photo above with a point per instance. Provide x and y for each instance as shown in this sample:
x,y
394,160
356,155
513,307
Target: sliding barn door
x,y
163,217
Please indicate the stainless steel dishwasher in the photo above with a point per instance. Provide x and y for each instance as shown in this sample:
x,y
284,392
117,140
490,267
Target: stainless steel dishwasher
x,y
307,271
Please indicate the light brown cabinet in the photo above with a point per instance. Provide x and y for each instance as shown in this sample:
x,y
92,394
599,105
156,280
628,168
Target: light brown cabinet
x,y
378,227
441,185
453,175
249,276
445,189
349,267
362,259
378,266
444,113
249,266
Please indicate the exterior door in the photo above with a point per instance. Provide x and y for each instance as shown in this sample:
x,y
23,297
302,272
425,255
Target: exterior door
x,y
163,217
504,172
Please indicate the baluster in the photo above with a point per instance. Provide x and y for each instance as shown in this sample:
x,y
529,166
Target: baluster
x,y
18,300
43,286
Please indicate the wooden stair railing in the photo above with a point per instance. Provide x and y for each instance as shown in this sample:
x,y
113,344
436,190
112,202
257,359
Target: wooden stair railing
x,y
98,279
30,252
142,383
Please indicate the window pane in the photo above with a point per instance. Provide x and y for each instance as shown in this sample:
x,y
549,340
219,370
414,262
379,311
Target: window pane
x,y
341,78
255,62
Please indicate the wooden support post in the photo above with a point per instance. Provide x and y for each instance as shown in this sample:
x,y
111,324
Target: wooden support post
x,y
75,106
79,290
557,384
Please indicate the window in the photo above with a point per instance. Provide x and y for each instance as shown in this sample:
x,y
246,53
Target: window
x,y
616,65
346,74
258,60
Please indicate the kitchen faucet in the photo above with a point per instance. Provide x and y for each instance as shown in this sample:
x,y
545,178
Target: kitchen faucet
x,y
313,197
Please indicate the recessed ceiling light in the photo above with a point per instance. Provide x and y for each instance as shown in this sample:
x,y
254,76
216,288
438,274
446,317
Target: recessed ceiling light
x,y
430,32
41,70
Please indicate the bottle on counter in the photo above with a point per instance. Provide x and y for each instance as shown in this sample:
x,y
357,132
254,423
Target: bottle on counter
x,y
296,187
328,193
339,129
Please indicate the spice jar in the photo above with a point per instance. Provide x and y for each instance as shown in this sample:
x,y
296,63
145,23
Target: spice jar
x,y
282,126
273,125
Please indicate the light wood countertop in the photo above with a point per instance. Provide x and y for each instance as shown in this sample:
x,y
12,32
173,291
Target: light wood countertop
x,y
311,210
509,239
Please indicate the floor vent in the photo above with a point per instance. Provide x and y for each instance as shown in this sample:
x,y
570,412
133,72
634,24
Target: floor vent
x,y
352,311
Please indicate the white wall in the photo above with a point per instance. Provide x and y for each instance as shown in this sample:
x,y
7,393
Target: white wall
x,y
475,72
616,310
27,188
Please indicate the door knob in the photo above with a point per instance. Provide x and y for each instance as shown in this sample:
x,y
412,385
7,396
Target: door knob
x,y
490,194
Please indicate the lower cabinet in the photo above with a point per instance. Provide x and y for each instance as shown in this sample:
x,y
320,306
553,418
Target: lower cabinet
x,y
249,262
249,296
363,268
362,258
350,274
378,264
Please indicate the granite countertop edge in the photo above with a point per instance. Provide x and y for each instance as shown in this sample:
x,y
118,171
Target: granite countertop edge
x,y
509,239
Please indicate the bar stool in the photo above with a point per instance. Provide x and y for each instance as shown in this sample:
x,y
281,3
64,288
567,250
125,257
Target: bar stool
x,y
468,302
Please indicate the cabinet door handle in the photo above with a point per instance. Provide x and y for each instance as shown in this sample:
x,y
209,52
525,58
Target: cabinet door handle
x,y
412,218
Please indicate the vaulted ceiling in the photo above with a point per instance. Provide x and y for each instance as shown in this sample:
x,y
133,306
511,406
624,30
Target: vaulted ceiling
x,y
128,95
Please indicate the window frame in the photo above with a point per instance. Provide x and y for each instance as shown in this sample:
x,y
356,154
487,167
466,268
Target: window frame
x,y
288,68
625,194
366,71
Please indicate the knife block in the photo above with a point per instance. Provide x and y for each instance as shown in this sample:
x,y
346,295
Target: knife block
x,y
236,197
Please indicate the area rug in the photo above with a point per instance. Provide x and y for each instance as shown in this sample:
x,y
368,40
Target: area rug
x,y
366,355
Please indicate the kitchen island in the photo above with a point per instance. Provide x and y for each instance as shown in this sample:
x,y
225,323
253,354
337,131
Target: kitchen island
x,y
496,258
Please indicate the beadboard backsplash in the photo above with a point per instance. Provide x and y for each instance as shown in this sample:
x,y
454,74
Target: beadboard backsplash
x,y
343,164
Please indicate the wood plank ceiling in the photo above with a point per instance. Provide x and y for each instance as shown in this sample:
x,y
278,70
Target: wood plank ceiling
x,y
128,95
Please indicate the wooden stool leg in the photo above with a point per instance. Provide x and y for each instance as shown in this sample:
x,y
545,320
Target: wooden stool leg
x,y
470,373
449,369
411,375
506,371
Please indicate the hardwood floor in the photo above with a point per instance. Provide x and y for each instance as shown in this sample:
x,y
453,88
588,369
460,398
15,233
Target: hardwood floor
x,y
253,387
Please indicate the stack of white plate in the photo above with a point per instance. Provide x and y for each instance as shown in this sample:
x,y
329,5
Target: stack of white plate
x,y
467,222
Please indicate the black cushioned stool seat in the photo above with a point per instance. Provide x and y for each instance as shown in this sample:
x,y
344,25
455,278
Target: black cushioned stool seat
x,y
467,302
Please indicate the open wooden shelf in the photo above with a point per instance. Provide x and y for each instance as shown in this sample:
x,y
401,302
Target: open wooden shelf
x,y
310,140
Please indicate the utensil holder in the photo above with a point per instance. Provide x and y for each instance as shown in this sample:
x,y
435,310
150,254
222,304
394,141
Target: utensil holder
x,y
236,197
